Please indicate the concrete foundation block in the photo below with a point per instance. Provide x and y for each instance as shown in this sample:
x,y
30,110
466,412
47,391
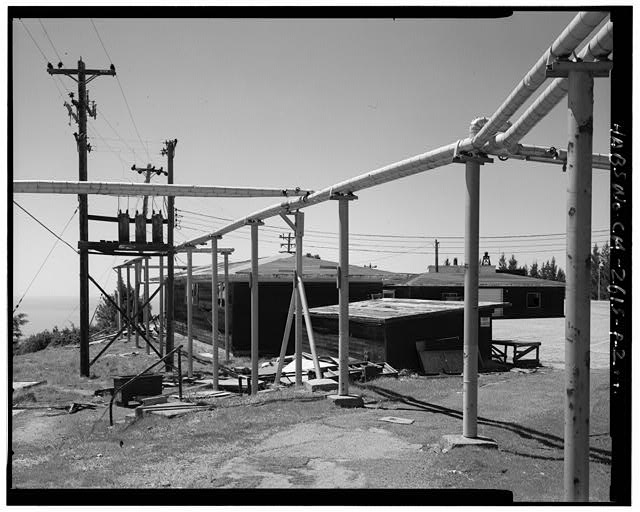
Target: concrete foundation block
x,y
451,441
321,385
347,400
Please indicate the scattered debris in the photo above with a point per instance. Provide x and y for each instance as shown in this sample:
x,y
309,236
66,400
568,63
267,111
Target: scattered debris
x,y
127,354
76,406
19,385
321,385
103,392
523,370
395,419
170,410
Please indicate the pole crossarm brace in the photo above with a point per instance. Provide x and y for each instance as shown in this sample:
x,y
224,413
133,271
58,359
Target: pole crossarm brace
x,y
147,189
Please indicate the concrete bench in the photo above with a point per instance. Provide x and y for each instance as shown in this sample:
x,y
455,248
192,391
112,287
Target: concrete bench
x,y
499,349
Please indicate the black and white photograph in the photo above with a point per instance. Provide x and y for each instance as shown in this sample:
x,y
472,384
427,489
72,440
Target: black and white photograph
x,y
319,255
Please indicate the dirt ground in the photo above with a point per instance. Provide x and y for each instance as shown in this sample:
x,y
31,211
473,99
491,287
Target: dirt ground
x,y
292,438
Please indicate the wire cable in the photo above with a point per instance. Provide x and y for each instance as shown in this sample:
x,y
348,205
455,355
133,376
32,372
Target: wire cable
x,y
45,227
45,259
121,89
50,41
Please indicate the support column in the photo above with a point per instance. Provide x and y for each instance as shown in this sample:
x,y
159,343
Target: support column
x,y
128,303
189,294
120,301
147,307
161,309
470,354
254,306
343,292
578,287
227,312
214,310
136,296
299,220
577,321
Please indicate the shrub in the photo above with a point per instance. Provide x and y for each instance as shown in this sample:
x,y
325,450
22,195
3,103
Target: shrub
x,y
53,338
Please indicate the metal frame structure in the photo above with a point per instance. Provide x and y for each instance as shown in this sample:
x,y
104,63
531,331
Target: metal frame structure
x,y
484,139
575,77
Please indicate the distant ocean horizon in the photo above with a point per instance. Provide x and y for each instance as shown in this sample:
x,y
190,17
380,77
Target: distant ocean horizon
x,y
45,313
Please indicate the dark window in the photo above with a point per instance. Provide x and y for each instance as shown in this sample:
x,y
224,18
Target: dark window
x,y
533,299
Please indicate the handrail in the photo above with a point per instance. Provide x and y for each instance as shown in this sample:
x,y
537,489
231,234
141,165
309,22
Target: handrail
x,y
116,391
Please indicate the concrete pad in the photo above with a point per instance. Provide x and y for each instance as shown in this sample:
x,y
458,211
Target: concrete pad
x,y
347,400
321,385
451,441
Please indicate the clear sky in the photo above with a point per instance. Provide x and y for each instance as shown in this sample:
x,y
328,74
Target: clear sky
x,y
285,103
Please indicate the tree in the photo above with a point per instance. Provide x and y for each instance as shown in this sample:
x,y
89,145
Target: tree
x,y
502,263
600,267
106,313
18,321
513,264
533,271
560,275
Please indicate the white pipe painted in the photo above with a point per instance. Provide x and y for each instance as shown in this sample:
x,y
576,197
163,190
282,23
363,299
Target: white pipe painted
x,y
599,47
214,311
547,154
189,294
254,308
578,304
147,189
580,27
470,353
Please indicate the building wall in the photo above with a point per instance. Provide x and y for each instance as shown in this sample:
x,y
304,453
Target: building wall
x,y
274,301
272,311
395,342
551,298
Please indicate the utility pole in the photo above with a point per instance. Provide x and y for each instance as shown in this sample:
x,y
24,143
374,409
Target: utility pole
x,y
169,151
437,244
148,171
82,108
288,243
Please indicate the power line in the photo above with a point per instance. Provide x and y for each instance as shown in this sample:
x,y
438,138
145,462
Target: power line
x,y
34,42
50,41
121,89
45,227
45,259
100,39
405,237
